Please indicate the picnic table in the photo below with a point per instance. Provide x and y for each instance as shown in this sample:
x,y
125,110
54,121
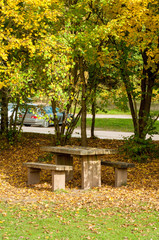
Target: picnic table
x,y
90,162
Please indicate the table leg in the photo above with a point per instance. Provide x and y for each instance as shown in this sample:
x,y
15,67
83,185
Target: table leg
x,y
65,159
91,172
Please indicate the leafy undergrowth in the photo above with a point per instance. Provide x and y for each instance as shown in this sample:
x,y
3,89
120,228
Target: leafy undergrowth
x,y
138,197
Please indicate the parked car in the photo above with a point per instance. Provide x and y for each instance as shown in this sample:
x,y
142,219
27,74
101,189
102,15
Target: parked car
x,y
40,116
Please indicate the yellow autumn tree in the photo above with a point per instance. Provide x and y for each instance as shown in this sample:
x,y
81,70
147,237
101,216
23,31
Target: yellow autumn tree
x,y
23,26
130,32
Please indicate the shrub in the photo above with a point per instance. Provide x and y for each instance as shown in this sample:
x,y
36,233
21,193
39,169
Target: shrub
x,y
139,150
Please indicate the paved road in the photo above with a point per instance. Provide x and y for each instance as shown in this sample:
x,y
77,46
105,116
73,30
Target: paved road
x,y
110,116
102,134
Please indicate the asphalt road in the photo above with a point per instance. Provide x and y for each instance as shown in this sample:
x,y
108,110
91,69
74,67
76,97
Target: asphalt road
x,y
100,133
110,116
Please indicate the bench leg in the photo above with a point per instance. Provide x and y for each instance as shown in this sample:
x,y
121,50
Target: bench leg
x,y
33,176
120,177
58,180
65,159
91,172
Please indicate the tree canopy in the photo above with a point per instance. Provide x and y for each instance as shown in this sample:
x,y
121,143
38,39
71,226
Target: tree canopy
x,y
49,47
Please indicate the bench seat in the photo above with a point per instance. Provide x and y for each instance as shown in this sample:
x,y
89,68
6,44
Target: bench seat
x,y
120,171
58,173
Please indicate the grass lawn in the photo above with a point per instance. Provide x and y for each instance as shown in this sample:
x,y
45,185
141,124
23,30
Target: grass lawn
x,y
44,221
115,124
118,111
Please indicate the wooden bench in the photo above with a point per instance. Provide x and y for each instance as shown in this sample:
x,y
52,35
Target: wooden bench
x,y
120,171
58,173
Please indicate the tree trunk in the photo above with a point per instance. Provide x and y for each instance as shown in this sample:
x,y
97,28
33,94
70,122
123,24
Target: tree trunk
x,y
93,118
132,108
93,90
147,85
56,122
129,92
140,121
4,111
84,110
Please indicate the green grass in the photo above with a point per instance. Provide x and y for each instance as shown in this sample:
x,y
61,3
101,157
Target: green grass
x,y
44,221
115,124
115,111
112,124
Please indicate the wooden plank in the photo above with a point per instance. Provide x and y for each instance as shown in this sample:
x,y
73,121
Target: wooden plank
x,y
118,164
78,150
48,166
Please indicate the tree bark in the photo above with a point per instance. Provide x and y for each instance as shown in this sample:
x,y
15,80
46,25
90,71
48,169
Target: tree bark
x,y
4,111
140,121
132,107
84,109
147,85
93,118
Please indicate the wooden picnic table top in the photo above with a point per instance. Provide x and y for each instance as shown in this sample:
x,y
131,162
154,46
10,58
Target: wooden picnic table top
x,y
77,150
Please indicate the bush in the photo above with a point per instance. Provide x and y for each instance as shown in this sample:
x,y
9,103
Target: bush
x,y
139,150
13,136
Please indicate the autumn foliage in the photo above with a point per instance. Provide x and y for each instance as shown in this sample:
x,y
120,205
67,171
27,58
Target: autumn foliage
x,y
47,47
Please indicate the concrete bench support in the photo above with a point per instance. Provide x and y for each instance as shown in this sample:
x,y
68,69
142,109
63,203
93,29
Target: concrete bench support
x,y
91,172
120,171
33,175
58,180
58,173
120,177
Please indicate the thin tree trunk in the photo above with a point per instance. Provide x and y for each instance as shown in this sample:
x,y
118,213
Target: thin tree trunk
x,y
4,111
131,105
56,123
84,110
147,84
93,118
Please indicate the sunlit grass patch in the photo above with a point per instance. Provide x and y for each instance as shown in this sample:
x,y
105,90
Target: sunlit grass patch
x,y
115,124
44,221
